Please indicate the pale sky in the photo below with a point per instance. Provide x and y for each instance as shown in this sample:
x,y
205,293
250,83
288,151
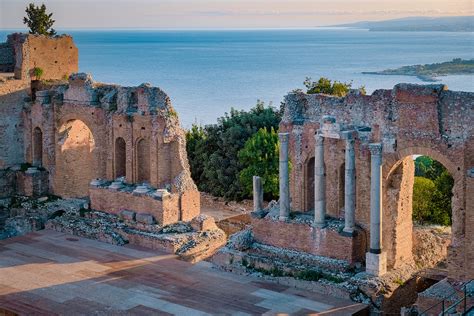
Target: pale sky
x,y
226,13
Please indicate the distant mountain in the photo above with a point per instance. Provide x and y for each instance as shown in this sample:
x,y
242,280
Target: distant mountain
x,y
417,24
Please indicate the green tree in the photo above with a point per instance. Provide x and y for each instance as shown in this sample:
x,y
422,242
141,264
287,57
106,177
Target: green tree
x,y
427,167
38,20
326,86
423,189
432,192
260,155
213,150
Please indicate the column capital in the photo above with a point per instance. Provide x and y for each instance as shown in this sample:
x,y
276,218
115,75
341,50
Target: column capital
x,y
375,149
319,138
284,137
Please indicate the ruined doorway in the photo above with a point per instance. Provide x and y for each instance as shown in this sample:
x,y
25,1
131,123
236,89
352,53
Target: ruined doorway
x,y
309,184
143,161
120,158
37,147
412,229
76,161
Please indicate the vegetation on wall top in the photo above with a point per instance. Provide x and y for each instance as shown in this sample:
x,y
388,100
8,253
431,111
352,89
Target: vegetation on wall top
x,y
38,20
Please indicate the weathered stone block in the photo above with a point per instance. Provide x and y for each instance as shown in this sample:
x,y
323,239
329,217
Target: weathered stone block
x,y
203,222
145,219
128,215
376,264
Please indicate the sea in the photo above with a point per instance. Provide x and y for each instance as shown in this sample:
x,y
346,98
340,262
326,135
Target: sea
x,y
208,72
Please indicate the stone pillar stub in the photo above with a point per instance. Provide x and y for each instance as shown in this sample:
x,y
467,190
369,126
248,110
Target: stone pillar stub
x,y
376,264
284,177
257,194
349,188
376,259
319,183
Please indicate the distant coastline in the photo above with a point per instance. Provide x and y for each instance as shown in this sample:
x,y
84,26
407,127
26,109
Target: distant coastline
x,y
418,24
430,72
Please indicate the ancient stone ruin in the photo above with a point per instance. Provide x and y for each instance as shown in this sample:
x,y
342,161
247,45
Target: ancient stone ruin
x,y
119,149
109,162
347,201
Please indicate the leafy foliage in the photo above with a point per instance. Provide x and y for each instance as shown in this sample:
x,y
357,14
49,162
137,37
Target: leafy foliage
x,y
326,86
432,192
38,20
213,150
37,72
260,155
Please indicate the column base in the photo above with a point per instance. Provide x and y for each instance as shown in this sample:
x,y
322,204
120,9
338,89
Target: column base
x,y
283,218
376,264
320,225
348,233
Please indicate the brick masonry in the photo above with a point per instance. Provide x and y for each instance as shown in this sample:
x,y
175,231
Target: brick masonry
x,y
327,242
409,119
167,210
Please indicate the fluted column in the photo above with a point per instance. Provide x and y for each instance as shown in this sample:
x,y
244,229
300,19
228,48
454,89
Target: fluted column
x,y
349,189
319,183
284,177
376,259
257,194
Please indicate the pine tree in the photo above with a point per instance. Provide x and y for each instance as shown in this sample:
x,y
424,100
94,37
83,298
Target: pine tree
x,y
38,20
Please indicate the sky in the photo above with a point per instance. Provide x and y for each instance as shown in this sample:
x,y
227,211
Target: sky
x,y
75,14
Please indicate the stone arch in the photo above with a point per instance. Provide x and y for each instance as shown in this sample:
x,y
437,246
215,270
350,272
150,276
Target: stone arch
x,y
37,147
309,184
77,161
142,161
397,224
120,158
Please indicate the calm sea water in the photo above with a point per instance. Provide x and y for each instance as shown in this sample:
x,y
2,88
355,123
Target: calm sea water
x,y
207,72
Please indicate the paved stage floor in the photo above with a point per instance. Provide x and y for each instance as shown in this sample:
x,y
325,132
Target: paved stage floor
x,y
47,273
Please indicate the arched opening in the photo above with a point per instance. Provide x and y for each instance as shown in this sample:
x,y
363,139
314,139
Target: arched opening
x,y
37,147
143,161
309,185
76,161
120,158
417,213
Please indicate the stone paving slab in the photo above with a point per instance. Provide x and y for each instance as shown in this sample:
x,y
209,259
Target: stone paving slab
x,y
51,273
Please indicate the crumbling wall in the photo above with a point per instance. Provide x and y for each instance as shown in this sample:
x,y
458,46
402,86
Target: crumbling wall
x,y
7,58
12,95
81,122
408,120
57,56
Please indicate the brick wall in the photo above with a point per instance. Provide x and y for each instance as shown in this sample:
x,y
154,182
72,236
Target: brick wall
x,y
304,237
57,56
168,210
409,119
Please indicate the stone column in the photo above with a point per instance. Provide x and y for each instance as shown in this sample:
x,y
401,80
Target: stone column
x,y
257,194
349,188
284,177
319,183
376,260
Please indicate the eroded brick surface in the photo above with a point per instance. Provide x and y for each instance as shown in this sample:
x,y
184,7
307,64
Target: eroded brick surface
x,y
409,119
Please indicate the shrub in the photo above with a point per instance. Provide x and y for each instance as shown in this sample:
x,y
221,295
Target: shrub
x,y
213,150
37,73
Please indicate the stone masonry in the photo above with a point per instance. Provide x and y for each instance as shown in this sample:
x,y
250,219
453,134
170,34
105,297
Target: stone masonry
x,y
367,149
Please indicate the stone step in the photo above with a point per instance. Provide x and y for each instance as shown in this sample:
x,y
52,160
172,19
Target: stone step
x,y
298,258
302,277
